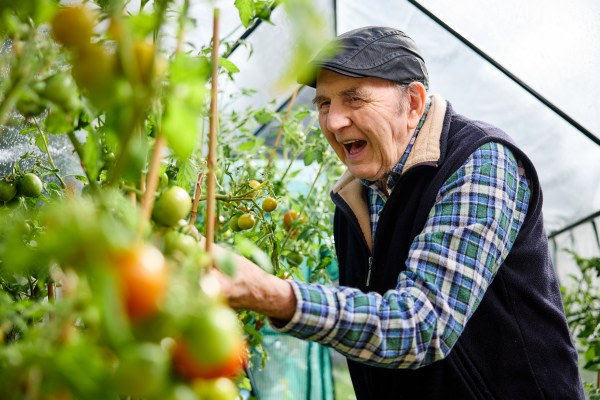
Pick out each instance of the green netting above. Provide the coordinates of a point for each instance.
(296, 370)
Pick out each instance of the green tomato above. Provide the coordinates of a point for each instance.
(7, 191)
(142, 370)
(177, 243)
(215, 389)
(233, 223)
(61, 90)
(246, 221)
(173, 205)
(29, 103)
(295, 258)
(163, 180)
(30, 185)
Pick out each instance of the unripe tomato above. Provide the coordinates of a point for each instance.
(7, 190)
(94, 71)
(269, 204)
(295, 258)
(73, 26)
(163, 181)
(148, 66)
(143, 277)
(212, 345)
(29, 103)
(142, 370)
(30, 185)
(246, 221)
(61, 90)
(254, 184)
(173, 205)
(233, 223)
(177, 243)
(215, 389)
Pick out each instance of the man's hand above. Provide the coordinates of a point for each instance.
(251, 288)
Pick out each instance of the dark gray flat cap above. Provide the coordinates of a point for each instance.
(372, 51)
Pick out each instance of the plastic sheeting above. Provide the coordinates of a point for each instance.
(551, 46)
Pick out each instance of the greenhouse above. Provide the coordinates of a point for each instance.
(152, 152)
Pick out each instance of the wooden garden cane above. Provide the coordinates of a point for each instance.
(211, 182)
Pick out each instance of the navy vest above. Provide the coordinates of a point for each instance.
(517, 344)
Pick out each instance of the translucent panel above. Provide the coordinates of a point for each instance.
(271, 46)
(552, 45)
(567, 162)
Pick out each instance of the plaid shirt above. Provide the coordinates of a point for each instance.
(468, 234)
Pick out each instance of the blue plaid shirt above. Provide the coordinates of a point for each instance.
(468, 234)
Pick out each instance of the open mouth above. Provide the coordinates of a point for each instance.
(354, 146)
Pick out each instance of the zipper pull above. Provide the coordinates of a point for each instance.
(369, 272)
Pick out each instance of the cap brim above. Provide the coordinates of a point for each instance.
(310, 79)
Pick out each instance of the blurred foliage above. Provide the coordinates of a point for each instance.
(581, 297)
(95, 296)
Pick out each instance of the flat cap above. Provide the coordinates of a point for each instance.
(372, 51)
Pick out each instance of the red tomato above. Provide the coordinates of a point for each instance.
(143, 276)
(212, 345)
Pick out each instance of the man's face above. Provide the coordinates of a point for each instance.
(364, 122)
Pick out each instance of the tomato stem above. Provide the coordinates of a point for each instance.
(281, 128)
(147, 201)
(47, 151)
(80, 153)
(197, 193)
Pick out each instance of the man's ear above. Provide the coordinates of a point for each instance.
(417, 98)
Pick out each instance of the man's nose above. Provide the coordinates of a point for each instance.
(337, 118)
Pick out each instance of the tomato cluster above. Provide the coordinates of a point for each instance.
(26, 185)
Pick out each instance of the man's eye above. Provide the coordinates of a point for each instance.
(355, 100)
(323, 106)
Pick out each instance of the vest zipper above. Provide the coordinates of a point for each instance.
(369, 271)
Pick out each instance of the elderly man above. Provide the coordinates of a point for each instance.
(447, 290)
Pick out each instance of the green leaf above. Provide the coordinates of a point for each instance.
(264, 116)
(309, 157)
(249, 250)
(41, 143)
(91, 156)
(185, 104)
(58, 123)
(228, 65)
(188, 171)
(246, 10)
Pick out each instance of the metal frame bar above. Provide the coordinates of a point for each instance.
(575, 224)
(506, 72)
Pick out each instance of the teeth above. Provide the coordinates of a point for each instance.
(350, 141)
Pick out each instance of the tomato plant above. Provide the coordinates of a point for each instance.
(103, 292)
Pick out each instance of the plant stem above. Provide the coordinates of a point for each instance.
(291, 231)
(80, 153)
(197, 193)
(212, 138)
(47, 151)
(147, 201)
(278, 138)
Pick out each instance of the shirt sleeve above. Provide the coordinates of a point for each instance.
(468, 234)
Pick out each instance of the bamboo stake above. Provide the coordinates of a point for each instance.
(211, 182)
(147, 201)
(197, 194)
(280, 133)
